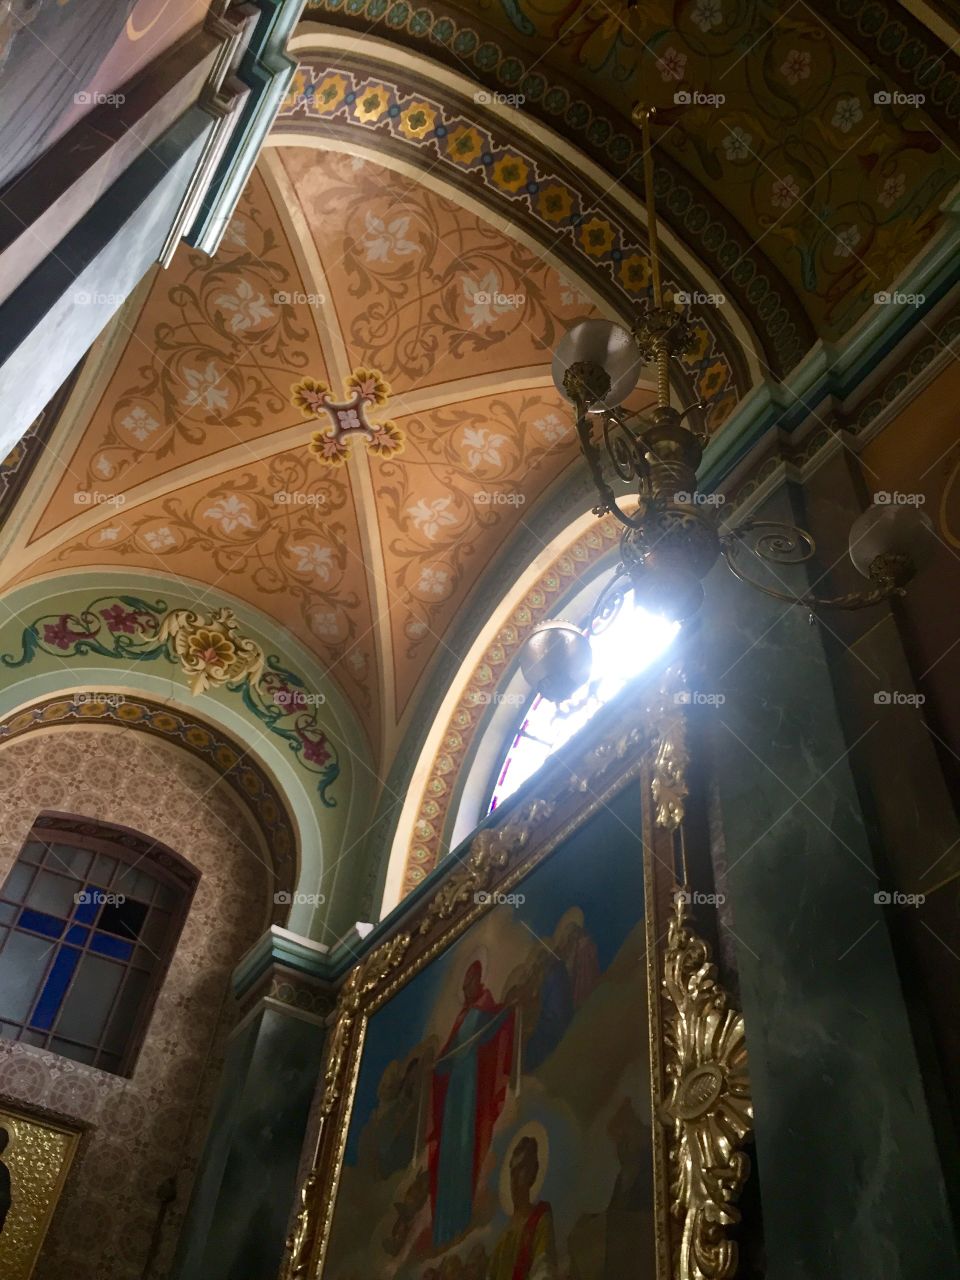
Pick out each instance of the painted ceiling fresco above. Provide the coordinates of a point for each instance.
(821, 159)
(198, 459)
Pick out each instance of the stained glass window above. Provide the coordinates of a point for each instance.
(86, 932)
(629, 642)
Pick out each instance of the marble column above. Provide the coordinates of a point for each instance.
(850, 1178)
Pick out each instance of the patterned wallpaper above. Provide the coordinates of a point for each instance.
(149, 1128)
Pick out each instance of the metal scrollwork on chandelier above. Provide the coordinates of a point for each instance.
(672, 534)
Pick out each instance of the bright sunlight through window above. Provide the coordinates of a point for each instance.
(622, 648)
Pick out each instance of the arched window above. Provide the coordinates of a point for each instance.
(628, 642)
(90, 915)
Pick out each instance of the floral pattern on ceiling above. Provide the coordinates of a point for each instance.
(835, 183)
(207, 364)
(568, 219)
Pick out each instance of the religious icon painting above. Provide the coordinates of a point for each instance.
(489, 1110)
(35, 1158)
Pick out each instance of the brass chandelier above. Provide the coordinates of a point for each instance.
(671, 535)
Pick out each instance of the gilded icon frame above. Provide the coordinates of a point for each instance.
(52, 1145)
(696, 1043)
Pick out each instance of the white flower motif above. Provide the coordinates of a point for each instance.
(249, 308)
(103, 466)
(482, 446)
(784, 192)
(707, 14)
(313, 558)
(416, 629)
(231, 512)
(236, 233)
(737, 144)
(797, 66)
(384, 241)
(357, 163)
(159, 539)
(139, 423)
(109, 535)
(672, 65)
(571, 295)
(430, 517)
(552, 427)
(891, 189)
(356, 660)
(485, 300)
(204, 388)
(433, 581)
(326, 625)
(847, 113)
(847, 241)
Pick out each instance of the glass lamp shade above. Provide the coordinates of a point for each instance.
(556, 659)
(888, 529)
(606, 344)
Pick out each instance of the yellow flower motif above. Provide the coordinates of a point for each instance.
(295, 94)
(207, 648)
(712, 380)
(597, 237)
(635, 273)
(307, 396)
(702, 336)
(331, 450)
(464, 144)
(329, 94)
(555, 203)
(417, 120)
(369, 384)
(387, 439)
(372, 103)
(511, 172)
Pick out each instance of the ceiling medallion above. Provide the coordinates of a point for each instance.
(347, 417)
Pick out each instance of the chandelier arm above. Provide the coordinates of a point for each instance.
(608, 498)
(885, 588)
